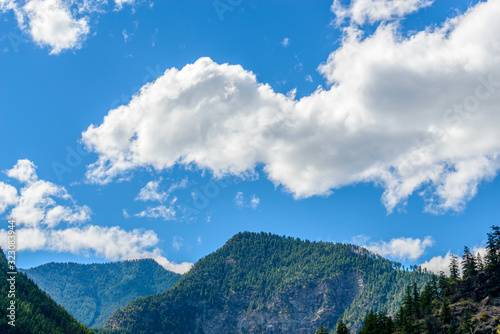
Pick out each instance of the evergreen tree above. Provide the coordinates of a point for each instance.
(322, 330)
(342, 328)
(443, 284)
(468, 263)
(479, 262)
(467, 326)
(426, 298)
(454, 271)
(445, 313)
(453, 328)
(493, 248)
(415, 301)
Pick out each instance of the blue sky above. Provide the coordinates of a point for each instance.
(330, 122)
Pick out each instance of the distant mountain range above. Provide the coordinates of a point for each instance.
(264, 283)
(33, 312)
(92, 292)
(256, 283)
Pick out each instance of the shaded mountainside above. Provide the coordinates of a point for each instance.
(264, 283)
(93, 292)
(35, 311)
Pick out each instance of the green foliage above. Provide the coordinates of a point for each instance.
(493, 248)
(445, 313)
(36, 312)
(342, 328)
(468, 263)
(454, 271)
(322, 330)
(93, 292)
(377, 323)
(261, 266)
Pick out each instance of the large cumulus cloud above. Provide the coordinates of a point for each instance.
(407, 114)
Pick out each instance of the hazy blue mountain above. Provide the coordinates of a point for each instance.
(35, 311)
(92, 292)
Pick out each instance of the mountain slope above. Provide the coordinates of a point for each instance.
(263, 283)
(35, 312)
(92, 292)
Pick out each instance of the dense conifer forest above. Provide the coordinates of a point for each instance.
(260, 266)
(93, 292)
(35, 311)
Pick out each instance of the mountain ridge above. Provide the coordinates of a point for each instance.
(92, 292)
(262, 283)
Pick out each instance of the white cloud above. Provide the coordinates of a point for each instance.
(23, 171)
(254, 202)
(285, 42)
(440, 263)
(371, 11)
(111, 243)
(39, 202)
(57, 24)
(401, 248)
(46, 216)
(8, 196)
(177, 242)
(160, 211)
(240, 201)
(125, 35)
(51, 23)
(150, 192)
(407, 114)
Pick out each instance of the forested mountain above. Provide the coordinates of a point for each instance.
(450, 305)
(92, 292)
(35, 312)
(264, 283)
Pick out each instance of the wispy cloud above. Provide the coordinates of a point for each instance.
(371, 11)
(240, 201)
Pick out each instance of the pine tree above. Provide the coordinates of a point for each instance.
(322, 330)
(468, 263)
(454, 271)
(452, 328)
(479, 262)
(443, 284)
(415, 300)
(342, 328)
(493, 248)
(445, 313)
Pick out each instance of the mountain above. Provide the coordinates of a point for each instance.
(33, 311)
(92, 292)
(264, 283)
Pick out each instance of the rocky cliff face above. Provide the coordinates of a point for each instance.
(479, 297)
(297, 310)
